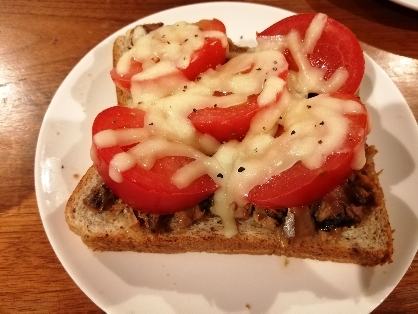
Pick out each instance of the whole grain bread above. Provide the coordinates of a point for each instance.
(368, 243)
(118, 229)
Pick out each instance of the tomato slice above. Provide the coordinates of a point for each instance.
(150, 191)
(337, 47)
(230, 123)
(208, 57)
(226, 124)
(123, 81)
(211, 54)
(299, 186)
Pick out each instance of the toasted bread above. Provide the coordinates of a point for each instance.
(118, 228)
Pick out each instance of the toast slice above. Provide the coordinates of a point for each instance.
(118, 228)
(114, 226)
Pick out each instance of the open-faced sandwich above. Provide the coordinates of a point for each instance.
(219, 148)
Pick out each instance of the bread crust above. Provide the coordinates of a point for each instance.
(369, 243)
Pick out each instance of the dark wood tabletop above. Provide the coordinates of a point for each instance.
(41, 41)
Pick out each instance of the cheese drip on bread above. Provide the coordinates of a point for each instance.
(260, 155)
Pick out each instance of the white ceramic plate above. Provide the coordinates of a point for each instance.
(212, 283)
(412, 4)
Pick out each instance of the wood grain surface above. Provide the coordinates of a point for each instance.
(41, 41)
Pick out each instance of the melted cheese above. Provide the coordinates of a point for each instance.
(313, 127)
(172, 43)
(121, 137)
(308, 79)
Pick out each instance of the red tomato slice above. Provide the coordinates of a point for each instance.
(123, 81)
(209, 56)
(337, 47)
(231, 123)
(150, 191)
(226, 124)
(299, 186)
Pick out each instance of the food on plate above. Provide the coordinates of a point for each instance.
(219, 148)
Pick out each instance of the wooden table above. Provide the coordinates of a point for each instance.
(41, 41)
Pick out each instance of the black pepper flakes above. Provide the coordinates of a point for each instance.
(258, 69)
(309, 106)
(152, 123)
(198, 78)
(194, 109)
(320, 142)
(241, 169)
(322, 123)
(293, 132)
(220, 175)
(274, 69)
